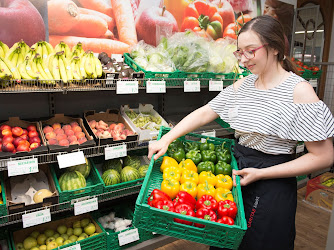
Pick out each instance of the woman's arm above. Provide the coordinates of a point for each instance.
(194, 120)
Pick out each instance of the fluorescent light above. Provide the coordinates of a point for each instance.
(310, 31)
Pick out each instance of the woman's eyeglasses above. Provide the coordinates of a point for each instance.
(249, 54)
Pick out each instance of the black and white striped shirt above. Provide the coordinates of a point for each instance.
(269, 120)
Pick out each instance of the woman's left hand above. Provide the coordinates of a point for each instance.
(247, 176)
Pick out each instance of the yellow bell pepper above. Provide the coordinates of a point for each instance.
(189, 187)
(170, 187)
(189, 175)
(168, 162)
(205, 188)
(224, 181)
(172, 173)
(187, 164)
(177, 7)
(223, 194)
(207, 176)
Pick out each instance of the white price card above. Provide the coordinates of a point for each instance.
(71, 159)
(74, 247)
(115, 152)
(300, 148)
(36, 218)
(127, 87)
(192, 86)
(85, 206)
(22, 167)
(215, 85)
(128, 236)
(155, 87)
(210, 133)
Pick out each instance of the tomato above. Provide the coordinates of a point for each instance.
(315, 68)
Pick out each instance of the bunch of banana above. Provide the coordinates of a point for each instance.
(43, 48)
(25, 69)
(78, 48)
(90, 65)
(31, 54)
(63, 47)
(7, 70)
(24, 48)
(75, 66)
(60, 67)
(76, 53)
(3, 49)
(16, 56)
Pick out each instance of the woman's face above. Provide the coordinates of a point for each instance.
(263, 57)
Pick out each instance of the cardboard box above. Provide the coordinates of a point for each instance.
(16, 122)
(320, 191)
(14, 207)
(62, 119)
(109, 117)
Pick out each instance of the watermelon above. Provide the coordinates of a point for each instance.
(111, 177)
(143, 170)
(84, 169)
(113, 164)
(72, 180)
(132, 161)
(129, 174)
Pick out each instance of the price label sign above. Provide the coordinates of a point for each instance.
(192, 86)
(85, 206)
(156, 87)
(210, 133)
(216, 85)
(22, 167)
(127, 87)
(128, 236)
(74, 247)
(36, 218)
(115, 152)
(71, 159)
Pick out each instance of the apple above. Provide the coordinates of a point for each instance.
(69, 231)
(64, 236)
(50, 239)
(42, 247)
(90, 229)
(25, 132)
(34, 248)
(7, 138)
(84, 235)
(77, 231)
(17, 131)
(94, 234)
(67, 242)
(62, 229)
(4, 126)
(41, 239)
(32, 133)
(73, 238)
(225, 10)
(24, 137)
(84, 222)
(22, 147)
(29, 242)
(35, 234)
(34, 139)
(49, 233)
(5, 132)
(34, 145)
(56, 235)
(51, 245)
(8, 147)
(31, 128)
(17, 140)
(60, 241)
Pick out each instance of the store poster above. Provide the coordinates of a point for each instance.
(114, 26)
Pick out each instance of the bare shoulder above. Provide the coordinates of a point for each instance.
(238, 83)
(304, 93)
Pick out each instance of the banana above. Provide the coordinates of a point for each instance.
(98, 66)
(23, 72)
(14, 59)
(4, 68)
(75, 53)
(62, 68)
(55, 68)
(31, 53)
(29, 69)
(75, 68)
(79, 48)
(49, 61)
(82, 67)
(92, 61)
(45, 51)
(88, 65)
(34, 69)
(49, 47)
(14, 72)
(47, 71)
(39, 49)
(39, 67)
(67, 65)
(20, 59)
(4, 47)
(67, 51)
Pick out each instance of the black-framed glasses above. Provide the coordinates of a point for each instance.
(249, 54)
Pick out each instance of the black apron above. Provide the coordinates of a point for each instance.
(270, 205)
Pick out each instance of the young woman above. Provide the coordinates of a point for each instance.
(270, 110)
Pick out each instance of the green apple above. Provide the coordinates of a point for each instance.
(41, 239)
(84, 222)
(90, 229)
(35, 248)
(29, 242)
(69, 231)
(51, 245)
(56, 235)
(77, 231)
(64, 236)
(94, 234)
(83, 235)
(42, 247)
(62, 229)
(50, 239)
(60, 241)
(76, 224)
(81, 238)
(49, 233)
(34, 234)
(73, 238)
(19, 246)
(67, 242)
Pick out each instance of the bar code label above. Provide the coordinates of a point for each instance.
(128, 236)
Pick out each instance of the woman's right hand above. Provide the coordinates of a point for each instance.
(158, 147)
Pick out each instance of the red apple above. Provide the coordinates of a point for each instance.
(17, 131)
(4, 126)
(24, 137)
(225, 10)
(31, 128)
(24, 142)
(34, 145)
(23, 147)
(148, 21)
(25, 132)
(17, 141)
(33, 133)
(8, 147)
(6, 132)
(34, 139)
(7, 138)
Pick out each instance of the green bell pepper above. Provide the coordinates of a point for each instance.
(206, 166)
(177, 153)
(195, 156)
(207, 146)
(222, 148)
(209, 155)
(176, 144)
(224, 156)
(190, 146)
(223, 168)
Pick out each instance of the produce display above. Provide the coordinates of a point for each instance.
(17, 139)
(145, 120)
(302, 66)
(117, 131)
(112, 66)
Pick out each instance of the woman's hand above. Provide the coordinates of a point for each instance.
(159, 147)
(247, 176)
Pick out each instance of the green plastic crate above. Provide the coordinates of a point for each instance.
(120, 189)
(162, 222)
(309, 74)
(3, 207)
(93, 186)
(224, 124)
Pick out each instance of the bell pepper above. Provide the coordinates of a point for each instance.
(189, 175)
(209, 155)
(207, 166)
(224, 156)
(205, 214)
(189, 187)
(177, 7)
(223, 168)
(227, 208)
(157, 194)
(184, 197)
(168, 162)
(175, 144)
(184, 209)
(195, 156)
(190, 146)
(207, 146)
(207, 201)
(224, 181)
(172, 173)
(226, 220)
(165, 205)
(223, 194)
(187, 164)
(207, 176)
(171, 187)
(177, 153)
(205, 188)
(222, 148)
(232, 30)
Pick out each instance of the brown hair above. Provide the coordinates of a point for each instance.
(270, 31)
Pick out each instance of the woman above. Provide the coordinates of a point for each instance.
(270, 111)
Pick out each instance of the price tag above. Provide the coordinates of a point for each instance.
(115, 152)
(192, 86)
(128, 236)
(71, 159)
(86, 206)
(216, 85)
(36, 218)
(300, 148)
(156, 87)
(127, 87)
(22, 167)
(74, 247)
(210, 133)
